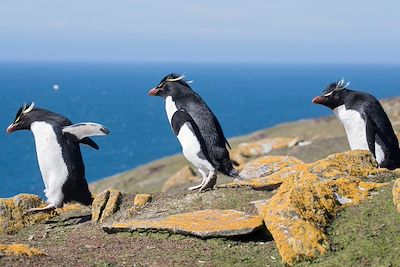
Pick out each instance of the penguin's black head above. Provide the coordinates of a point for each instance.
(334, 95)
(171, 85)
(23, 119)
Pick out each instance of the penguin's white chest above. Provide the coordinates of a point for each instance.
(191, 148)
(170, 108)
(355, 126)
(49, 154)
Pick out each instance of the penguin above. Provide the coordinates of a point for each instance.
(197, 129)
(366, 124)
(57, 143)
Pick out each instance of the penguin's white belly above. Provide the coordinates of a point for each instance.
(191, 147)
(355, 126)
(51, 163)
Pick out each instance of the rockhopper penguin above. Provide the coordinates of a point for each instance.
(198, 130)
(59, 156)
(366, 123)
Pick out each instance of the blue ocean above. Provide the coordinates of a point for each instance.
(244, 97)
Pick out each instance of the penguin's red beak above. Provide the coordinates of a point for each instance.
(154, 91)
(11, 128)
(318, 100)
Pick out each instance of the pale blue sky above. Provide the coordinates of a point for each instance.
(182, 30)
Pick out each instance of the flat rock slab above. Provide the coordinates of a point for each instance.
(203, 223)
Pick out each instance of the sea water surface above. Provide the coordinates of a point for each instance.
(244, 97)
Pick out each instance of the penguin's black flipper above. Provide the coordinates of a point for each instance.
(371, 132)
(89, 142)
(180, 117)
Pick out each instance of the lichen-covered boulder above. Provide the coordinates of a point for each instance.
(396, 194)
(20, 250)
(267, 165)
(184, 176)
(13, 211)
(310, 195)
(105, 204)
(203, 223)
(142, 199)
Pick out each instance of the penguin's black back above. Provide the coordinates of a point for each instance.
(374, 113)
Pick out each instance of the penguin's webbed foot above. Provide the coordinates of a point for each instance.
(48, 208)
(195, 187)
(208, 184)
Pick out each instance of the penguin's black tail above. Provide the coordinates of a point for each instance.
(78, 191)
(229, 170)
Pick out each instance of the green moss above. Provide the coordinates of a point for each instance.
(365, 235)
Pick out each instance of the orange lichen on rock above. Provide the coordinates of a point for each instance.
(20, 250)
(99, 204)
(264, 146)
(13, 211)
(396, 194)
(105, 204)
(204, 223)
(310, 196)
(142, 199)
(184, 176)
(360, 163)
(70, 207)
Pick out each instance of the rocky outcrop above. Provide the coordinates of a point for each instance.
(20, 250)
(142, 199)
(105, 204)
(396, 194)
(309, 198)
(13, 212)
(309, 195)
(184, 176)
(204, 223)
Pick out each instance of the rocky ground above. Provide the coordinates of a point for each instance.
(303, 202)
